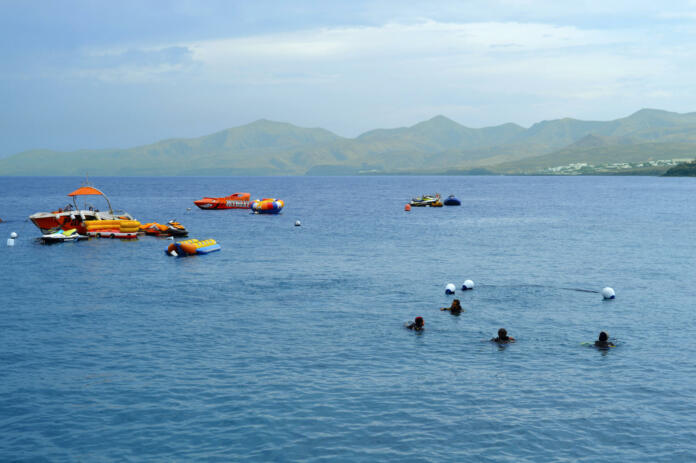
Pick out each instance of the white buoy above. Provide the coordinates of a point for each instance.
(468, 284)
(298, 223)
(449, 289)
(608, 293)
(13, 235)
(10, 242)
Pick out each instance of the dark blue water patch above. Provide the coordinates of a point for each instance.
(289, 343)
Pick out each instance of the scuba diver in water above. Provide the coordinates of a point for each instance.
(455, 308)
(503, 337)
(416, 325)
(603, 341)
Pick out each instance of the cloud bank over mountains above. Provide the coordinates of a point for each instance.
(80, 75)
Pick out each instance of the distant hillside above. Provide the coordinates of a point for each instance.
(260, 148)
(687, 169)
(600, 154)
(437, 145)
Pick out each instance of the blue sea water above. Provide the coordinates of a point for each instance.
(288, 345)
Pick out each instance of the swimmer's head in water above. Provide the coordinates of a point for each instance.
(502, 333)
(603, 336)
(419, 321)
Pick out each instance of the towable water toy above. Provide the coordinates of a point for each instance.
(192, 247)
(267, 206)
(452, 201)
(172, 228)
(113, 228)
(233, 201)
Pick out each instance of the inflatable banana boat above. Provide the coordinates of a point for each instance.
(192, 247)
(113, 228)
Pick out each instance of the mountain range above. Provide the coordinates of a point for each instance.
(438, 145)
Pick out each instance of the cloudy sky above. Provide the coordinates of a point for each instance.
(106, 74)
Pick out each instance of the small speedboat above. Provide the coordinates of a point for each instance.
(72, 216)
(234, 201)
(63, 236)
(172, 228)
(452, 201)
(427, 201)
(267, 206)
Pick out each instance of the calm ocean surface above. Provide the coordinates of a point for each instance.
(288, 345)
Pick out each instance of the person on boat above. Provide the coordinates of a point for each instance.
(455, 308)
(503, 337)
(603, 341)
(417, 324)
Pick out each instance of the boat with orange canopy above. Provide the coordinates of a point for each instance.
(233, 201)
(72, 216)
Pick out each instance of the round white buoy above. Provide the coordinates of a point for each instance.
(449, 289)
(13, 235)
(468, 284)
(608, 293)
(297, 223)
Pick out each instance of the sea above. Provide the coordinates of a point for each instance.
(289, 344)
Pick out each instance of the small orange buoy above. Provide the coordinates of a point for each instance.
(407, 207)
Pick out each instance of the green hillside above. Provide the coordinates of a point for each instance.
(433, 146)
(687, 169)
(600, 155)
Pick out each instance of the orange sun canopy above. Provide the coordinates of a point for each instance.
(86, 190)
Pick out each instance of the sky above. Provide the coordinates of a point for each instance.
(116, 74)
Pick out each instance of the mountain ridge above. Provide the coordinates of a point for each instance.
(438, 144)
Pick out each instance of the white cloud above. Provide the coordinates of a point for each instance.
(429, 38)
(473, 69)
